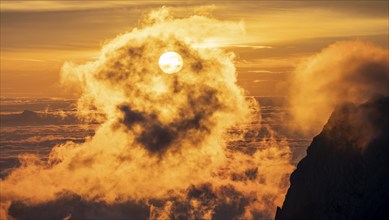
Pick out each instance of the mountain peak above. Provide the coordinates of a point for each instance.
(345, 174)
(28, 113)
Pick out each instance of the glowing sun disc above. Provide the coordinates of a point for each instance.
(170, 62)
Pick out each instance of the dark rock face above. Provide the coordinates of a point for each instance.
(345, 174)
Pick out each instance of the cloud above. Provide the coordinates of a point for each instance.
(347, 71)
(164, 139)
(62, 6)
(74, 207)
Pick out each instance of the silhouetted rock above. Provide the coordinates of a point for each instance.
(345, 174)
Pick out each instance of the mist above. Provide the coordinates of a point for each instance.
(346, 71)
(163, 139)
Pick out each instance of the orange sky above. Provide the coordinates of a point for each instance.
(37, 37)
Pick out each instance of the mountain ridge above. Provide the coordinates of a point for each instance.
(345, 174)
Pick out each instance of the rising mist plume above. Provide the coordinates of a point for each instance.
(348, 71)
(163, 139)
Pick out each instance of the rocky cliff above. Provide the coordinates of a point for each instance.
(345, 174)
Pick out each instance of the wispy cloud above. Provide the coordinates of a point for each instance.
(264, 71)
(62, 5)
(249, 46)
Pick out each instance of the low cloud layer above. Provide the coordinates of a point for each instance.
(349, 71)
(163, 141)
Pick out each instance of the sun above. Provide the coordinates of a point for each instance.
(170, 62)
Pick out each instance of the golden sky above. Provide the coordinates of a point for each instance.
(37, 37)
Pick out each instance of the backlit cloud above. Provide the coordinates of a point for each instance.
(164, 139)
(349, 71)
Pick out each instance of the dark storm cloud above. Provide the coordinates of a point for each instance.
(76, 208)
(226, 203)
(195, 117)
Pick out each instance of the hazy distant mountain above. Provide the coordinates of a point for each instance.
(16, 104)
(345, 174)
(32, 118)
